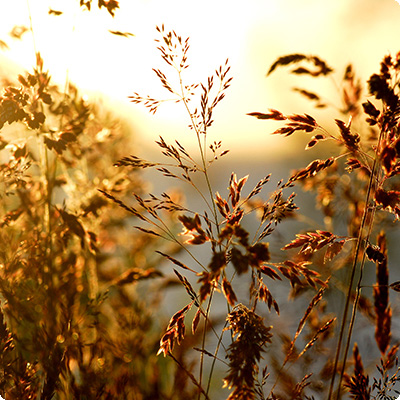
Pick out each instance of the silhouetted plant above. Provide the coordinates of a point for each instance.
(71, 325)
(370, 161)
(73, 320)
(375, 160)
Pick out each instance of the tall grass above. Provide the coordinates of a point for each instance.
(358, 185)
(80, 290)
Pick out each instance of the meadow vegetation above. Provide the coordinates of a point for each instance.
(89, 258)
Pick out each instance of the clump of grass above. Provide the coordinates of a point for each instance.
(244, 353)
(70, 323)
(73, 318)
(369, 159)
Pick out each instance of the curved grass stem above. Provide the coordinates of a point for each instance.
(359, 247)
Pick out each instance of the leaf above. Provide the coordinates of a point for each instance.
(20, 152)
(18, 31)
(224, 153)
(73, 224)
(222, 205)
(11, 216)
(353, 163)
(207, 353)
(374, 254)
(333, 250)
(46, 97)
(3, 45)
(311, 241)
(188, 287)
(23, 80)
(299, 241)
(324, 69)
(301, 70)
(35, 120)
(110, 5)
(218, 261)
(273, 114)
(235, 188)
(207, 285)
(265, 295)
(134, 162)
(312, 169)
(286, 130)
(286, 60)
(322, 329)
(311, 144)
(351, 140)
(55, 12)
(258, 187)
(190, 223)
(175, 261)
(388, 199)
(192, 228)
(370, 109)
(148, 231)
(395, 286)
(259, 253)
(196, 321)
(321, 67)
(310, 96)
(136, 274)
(39, 117)
(228, 292)
(180, 314)
(299, 123)
(68, 137)
(304, 119)
(175, 330)
(270, 272)
(123, 34)
(378, 86)
(54, 144)
(388, 157)
(239, 261)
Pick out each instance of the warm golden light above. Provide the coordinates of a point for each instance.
(78, 44)
(255, 275)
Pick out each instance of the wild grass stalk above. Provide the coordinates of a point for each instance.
(230, 235)
(73, 318)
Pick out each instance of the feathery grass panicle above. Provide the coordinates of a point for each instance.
(82, 293)
(372, 160)
(383, 310)
(244, 353)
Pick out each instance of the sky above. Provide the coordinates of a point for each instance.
(251, 34)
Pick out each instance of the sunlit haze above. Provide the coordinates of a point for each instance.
(251, 34)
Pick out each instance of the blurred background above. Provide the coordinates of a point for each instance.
(78, 47)
(77, 44)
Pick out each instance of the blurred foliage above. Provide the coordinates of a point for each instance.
(72, 322)
(82, 293)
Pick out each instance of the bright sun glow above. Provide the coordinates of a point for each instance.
(78, 45)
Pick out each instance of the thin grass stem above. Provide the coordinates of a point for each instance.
(360, 241)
